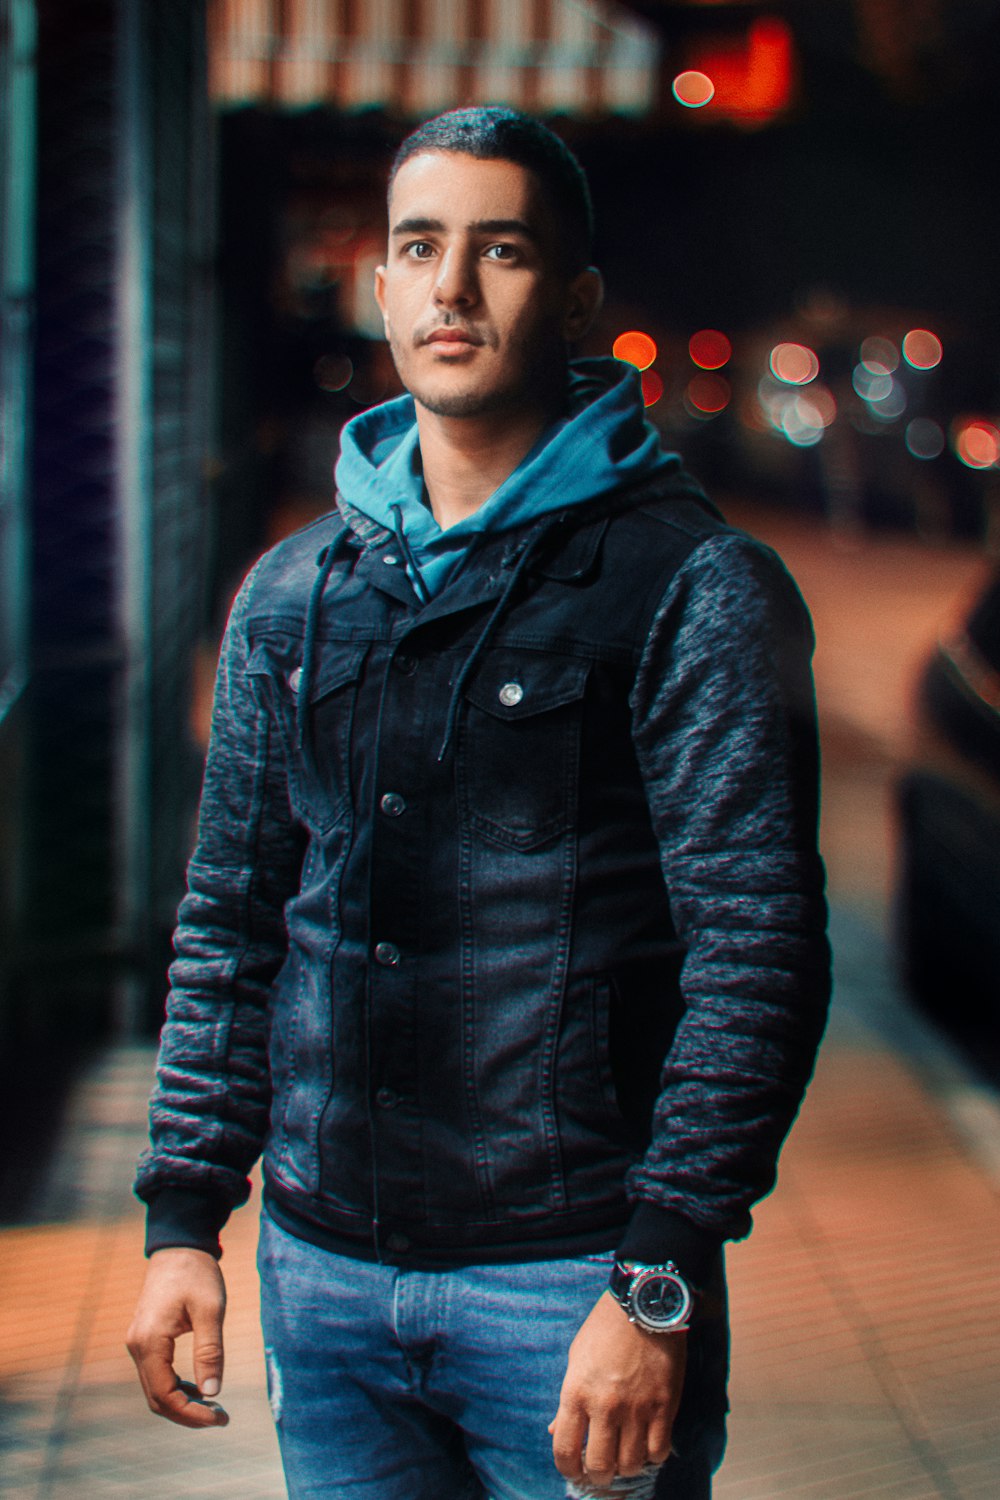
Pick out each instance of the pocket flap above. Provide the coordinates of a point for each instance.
(335, 665)
(515, 685)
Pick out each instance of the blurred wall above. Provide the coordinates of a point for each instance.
(106, 530)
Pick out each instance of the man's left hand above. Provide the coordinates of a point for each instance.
(619, 1398)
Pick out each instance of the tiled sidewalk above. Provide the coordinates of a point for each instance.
(866, 1304)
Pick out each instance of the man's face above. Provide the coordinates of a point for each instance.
(476, 312)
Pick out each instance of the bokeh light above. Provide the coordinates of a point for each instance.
(880, 356)
(922, 349)
(709, 349)
(333, 372)
(795, 364)
(871, 385)
(800, 416)
(693, 89)
(800, 422)
(977, 443)
(707, 395)
(652, 387)
(891, 404)
(924, 438)
(634, 348)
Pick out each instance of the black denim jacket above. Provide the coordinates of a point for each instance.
(505, 926)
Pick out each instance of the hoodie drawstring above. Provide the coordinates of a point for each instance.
(325, 562)
(412, 566)
(496, 613)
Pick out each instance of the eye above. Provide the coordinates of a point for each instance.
(502, 252)
(419, 250)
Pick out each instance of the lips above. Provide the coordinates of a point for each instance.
(457, 336)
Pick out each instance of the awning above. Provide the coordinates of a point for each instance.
(416, 57)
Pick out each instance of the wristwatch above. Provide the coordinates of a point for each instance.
(656, 1297)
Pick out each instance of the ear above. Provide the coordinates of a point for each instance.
(584, 298)
(380, 296)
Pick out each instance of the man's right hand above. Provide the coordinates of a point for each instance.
(183, 1293)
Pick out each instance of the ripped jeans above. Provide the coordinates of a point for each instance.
(395, 1384)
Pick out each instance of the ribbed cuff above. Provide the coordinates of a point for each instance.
(178, 1218)
(656, 1235)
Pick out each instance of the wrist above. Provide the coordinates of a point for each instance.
(656, 1298)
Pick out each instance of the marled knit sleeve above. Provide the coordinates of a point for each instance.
(724, 730)
(209, 1109)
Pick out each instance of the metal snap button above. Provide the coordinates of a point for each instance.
(387, 1098)
(295, 679)
(392, 804)
(405, 664)
(387, 954)
(511, 694)
(397, 1243)
(390, 559)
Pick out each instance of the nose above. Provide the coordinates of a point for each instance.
(456, 284)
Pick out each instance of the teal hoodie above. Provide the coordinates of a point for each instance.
(602, 442)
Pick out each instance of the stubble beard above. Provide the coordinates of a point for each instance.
(542, 386)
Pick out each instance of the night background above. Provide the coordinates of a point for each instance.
(797, 208)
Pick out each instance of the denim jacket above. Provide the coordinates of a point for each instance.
(504, 935)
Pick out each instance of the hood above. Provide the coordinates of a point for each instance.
(603, 442)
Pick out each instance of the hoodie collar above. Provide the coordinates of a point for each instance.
(603, 442)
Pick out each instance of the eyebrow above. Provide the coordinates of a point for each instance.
(478, 226)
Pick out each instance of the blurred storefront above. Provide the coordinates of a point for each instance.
(793, 208)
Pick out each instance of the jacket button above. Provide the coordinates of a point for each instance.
(405, 664)
(392, 804)
(387, 954)
(390, 560)
(295, 679)
(387, 1098)
(511, 694)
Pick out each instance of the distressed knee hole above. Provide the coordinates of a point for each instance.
(274, 1384)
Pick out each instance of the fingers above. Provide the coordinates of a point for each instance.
(600, 1460)
(184, 1293)
(658, 1439)
(607, 1445)
(569, 1432)
(208, 1352)
(165, 1393)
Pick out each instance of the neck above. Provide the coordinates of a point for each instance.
(465, 459)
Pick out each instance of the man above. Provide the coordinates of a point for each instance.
(505, 930)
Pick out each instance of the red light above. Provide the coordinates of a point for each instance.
(652, 387)
(634, 348)
(709, 349)
(754, 74)
(977, 444)
(922, 349)
(708, 394)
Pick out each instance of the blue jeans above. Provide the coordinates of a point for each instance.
(417, 1385)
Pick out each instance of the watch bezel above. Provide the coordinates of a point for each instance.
(639, 1276)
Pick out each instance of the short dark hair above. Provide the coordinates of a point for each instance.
(494, 133)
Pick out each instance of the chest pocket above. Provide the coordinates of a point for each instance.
(519, 747)
(318, 785)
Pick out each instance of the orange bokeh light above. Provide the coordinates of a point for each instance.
(922, 349)
(652, 387)
(634, 348)
(693, 89)
(708, 394)
(977, 444)
(795, 364)
(709, 349)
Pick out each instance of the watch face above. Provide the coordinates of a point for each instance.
(660, 1301)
